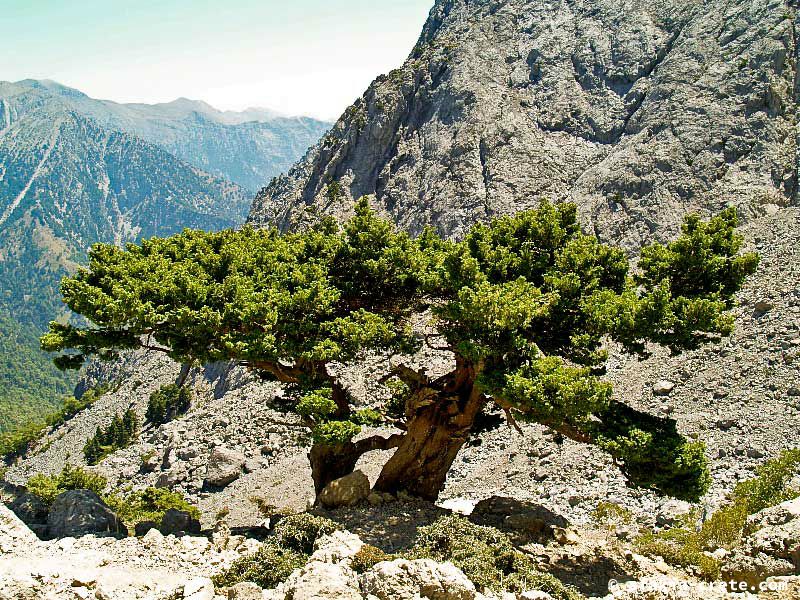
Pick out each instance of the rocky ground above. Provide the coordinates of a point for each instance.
(599, 562)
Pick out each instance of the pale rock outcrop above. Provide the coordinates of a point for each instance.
(13, 532)
(345, 491)
(224, 466)
(639, 111)
(411, 579)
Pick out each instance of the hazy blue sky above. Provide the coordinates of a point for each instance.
(297, 56)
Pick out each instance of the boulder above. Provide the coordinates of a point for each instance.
(763, 306)
(775, 532)
(82, 512)
(30, 509)
(338, 547)
(671, 512)
(663, 387)
(504, 512)
(411, 579)
(740, 567)
(141, 529)
(13, 532)
(345, 491)
(245, 591)
(224, 466)
(320, 581)
(199, 588)
(179, 521)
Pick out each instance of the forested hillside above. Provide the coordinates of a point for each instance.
(65, 183)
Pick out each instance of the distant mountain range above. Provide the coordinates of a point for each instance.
(248, 148)
(75, 171)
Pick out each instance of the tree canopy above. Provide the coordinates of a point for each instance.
(526, 304)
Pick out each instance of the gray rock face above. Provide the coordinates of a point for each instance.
(81, 512)
(30, 509)
(639, 111)
(224, 466)
(176, 521)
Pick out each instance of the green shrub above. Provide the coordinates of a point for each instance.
(610, 513)
(48, 487)
(486, 556)
(119, 434)
(167, 403)
(267, 567)
(149, 504)
(686, 546)
(299, 532)
(289, 548)
(17, 441)
(367, 557)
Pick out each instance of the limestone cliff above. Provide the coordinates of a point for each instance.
(638, 110)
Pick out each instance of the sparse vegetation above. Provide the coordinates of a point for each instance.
(367, 557)
(289, 549)
(167, 403)
(149, 504)
(611, 513)
(18, 440)
(688, 546)
(48, 487)
(119, 434)
(486, 556)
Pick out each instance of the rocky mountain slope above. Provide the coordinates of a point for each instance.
(638, 111)
(65, 183)
(247, 148)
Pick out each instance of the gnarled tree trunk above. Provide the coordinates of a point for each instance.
(330, 462)
(437, 428)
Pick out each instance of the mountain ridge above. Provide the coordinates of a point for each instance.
(65, 183)
(247, 147)
(640, 113)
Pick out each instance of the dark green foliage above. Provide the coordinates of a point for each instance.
(48, 487)
(289, 548)
(267, 567)
(299, 532)
(486, 556)
(168, 402)
(149, 504)
(26, 399)
(688, 546)
(367, 557)
(525, 303)
(120, 433)
(17, 441)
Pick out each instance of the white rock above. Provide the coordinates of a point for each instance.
(199, 588)
(409, 579)
(337, 547)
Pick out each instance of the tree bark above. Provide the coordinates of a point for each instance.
(437, 429)
(332, 462)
